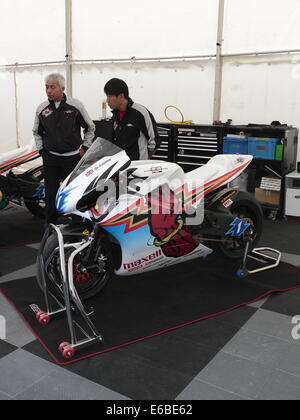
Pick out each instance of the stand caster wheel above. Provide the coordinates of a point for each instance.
(43, 318)
(240, 273)
(63, 346)
(68, 353)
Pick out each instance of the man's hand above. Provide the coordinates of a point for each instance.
(82, 152)
(151, 153)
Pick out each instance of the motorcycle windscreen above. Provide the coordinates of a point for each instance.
(100, 149)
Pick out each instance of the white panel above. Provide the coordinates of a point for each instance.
(256, 25)
(123, 29)
(32, 31)
(31, 93)
(8, 137)
(261, 90)
(188, 86)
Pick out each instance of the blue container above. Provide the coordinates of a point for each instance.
(262, 148)
(235, 145)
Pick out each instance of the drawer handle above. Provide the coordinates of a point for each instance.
(297, 197)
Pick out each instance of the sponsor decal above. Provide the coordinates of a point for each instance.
(238, 228)
(228, 197)
(101, 164)
(156, 170)
(47, 113)
(142, 261)
(89, 173)
(227, 203)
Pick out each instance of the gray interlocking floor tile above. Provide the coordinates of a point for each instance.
(290, 360)
(21, 370)
(257, 347)
(17, 332)
(198, 390)
(281, 386)
(24, 273)
(34, 246)
(259, 303)
(6, 348)
(234, 374)
(291, 259)
(4, 397)
(272, 324)
(62, 385)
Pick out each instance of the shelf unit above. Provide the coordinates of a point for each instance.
(192, 146)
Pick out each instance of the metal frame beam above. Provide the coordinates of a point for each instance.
(69, 46)
(219, 64)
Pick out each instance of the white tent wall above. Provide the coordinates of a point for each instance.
(261, 88)
(256, 25)
(32, 31)
(31, 93)
(8, 138)
(155, 85)
(137, 28)
(254, 88)
(121, 30)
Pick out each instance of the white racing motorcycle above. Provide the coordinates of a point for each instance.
(137, 217)
(25, 188)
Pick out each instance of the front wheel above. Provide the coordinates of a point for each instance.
(92, 268)
(245, 207)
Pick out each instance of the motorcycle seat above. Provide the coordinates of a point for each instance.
(218, 166)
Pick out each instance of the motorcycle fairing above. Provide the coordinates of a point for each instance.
(147, 241)
(17, 157)
(140, 243)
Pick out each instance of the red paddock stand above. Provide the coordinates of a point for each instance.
(69, 301)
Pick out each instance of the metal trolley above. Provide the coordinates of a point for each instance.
(70, 302)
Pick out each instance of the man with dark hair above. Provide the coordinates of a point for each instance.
(57, 132)
(134, 127)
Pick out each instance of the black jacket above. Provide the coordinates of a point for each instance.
(136, 132)
(59, 129)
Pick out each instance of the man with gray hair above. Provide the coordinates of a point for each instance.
(57, 132)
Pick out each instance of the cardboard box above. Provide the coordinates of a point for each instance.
(267, 196)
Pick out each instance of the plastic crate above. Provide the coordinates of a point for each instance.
(279, 152)
(235, 145)
(262, 148)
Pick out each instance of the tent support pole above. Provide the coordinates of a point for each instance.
(219, 64)
(69, 47)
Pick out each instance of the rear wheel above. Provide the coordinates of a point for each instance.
(245, 207)
(90, 277)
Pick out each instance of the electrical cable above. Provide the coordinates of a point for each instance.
(181, 114)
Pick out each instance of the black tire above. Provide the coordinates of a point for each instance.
(95, 279)
(36, 206)
(247, 208)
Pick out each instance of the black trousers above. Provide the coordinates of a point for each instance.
(56, 170)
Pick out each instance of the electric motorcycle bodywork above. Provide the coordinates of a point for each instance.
(146, 215)
(26, 188)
